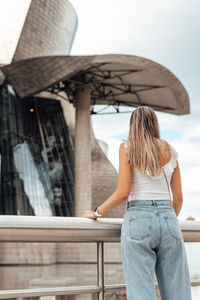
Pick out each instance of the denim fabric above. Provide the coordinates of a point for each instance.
(152, 241)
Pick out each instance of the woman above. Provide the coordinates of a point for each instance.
(151, 239)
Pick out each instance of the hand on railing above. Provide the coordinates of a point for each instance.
(89, 214)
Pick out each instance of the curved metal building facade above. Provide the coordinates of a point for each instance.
(36, 153)
(38, 28)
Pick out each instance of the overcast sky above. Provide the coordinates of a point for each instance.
(164, 31)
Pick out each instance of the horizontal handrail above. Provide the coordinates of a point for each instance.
(74, 290)
(74, 229)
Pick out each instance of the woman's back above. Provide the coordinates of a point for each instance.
(144, 186)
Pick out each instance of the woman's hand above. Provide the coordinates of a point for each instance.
(89, 214)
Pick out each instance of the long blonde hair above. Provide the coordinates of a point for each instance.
(142, 147)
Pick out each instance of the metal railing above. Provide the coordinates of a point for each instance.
(73, 229)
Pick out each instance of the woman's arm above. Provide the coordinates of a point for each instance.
(125, 175)
(122, 191)
(176, 188)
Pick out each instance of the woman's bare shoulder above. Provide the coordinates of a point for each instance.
(124, 144)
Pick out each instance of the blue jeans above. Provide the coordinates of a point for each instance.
(151, 240)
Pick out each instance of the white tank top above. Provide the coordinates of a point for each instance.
(147, 187)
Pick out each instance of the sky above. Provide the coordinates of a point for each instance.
(166, 32)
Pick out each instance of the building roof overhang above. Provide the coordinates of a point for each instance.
(114, 79)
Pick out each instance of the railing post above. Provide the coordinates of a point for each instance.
(100, 269)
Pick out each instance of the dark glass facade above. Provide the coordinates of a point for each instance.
(37, 159)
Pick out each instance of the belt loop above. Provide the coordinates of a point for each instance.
(153, 203)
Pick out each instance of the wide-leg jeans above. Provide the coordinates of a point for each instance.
(152, 241)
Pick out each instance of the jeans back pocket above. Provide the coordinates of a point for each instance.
(140, 227)
(173, 227)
